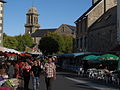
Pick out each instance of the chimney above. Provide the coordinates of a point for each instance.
(94, 1)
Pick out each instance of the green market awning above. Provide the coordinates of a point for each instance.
(91, 57)
(108, 57)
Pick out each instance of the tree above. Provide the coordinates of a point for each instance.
(10, 42)
(21, 45)
(24, 41)
(64, 43)
(68, 43)
(28, 41)
(19, 42)
(48, 45)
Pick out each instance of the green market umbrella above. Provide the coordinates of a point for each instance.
(91, 57)
(108, 57)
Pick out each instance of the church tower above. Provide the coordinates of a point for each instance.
(31, 21)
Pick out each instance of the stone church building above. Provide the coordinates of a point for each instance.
(32, 27)
(96, 29)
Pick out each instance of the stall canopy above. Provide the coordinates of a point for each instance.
(25, 54)
(8, 55)
(3, 49)
(91, 57)
(72, 54)
(35, 53)
(108, 57)
(79, 54)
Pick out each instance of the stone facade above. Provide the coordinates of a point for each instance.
(103, 33)
(62, 29)
(38, 34)
(118, 21)
(98, 9)
(66, 30)
(1, 21)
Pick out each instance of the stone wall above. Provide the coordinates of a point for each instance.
(94, 14)
(118, 21)
(103, 33)
(63, 29)
(103, 39)
(89, 19)
(110, 4)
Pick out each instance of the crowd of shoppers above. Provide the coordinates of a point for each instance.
(30, 68)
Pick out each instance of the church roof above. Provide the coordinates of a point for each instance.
(91, 8)
(41, 32)
(33, 10)
(71, 27)
(2, 1)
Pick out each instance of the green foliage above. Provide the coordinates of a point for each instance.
(58, 43)
(21, 45)
(68, 44)
(19, 42)
(28, 41)
(48, 45)
(10, 42)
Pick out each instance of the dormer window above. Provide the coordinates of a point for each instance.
(63, 29)
(72, 33)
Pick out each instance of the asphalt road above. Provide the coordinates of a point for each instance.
(63, 82)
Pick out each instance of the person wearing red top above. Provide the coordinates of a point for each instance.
(21, 66)
(26, 75)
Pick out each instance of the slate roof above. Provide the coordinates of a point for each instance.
(41, 32)
(71, 27)
(88, 10)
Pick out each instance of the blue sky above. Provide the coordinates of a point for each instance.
(53, 13)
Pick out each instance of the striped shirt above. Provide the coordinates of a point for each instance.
(50, 70)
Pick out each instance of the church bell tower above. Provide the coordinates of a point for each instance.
(31, 21)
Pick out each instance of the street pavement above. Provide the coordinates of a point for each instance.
(70, 81)
(63, 83)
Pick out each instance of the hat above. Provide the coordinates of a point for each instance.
(54, 58)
